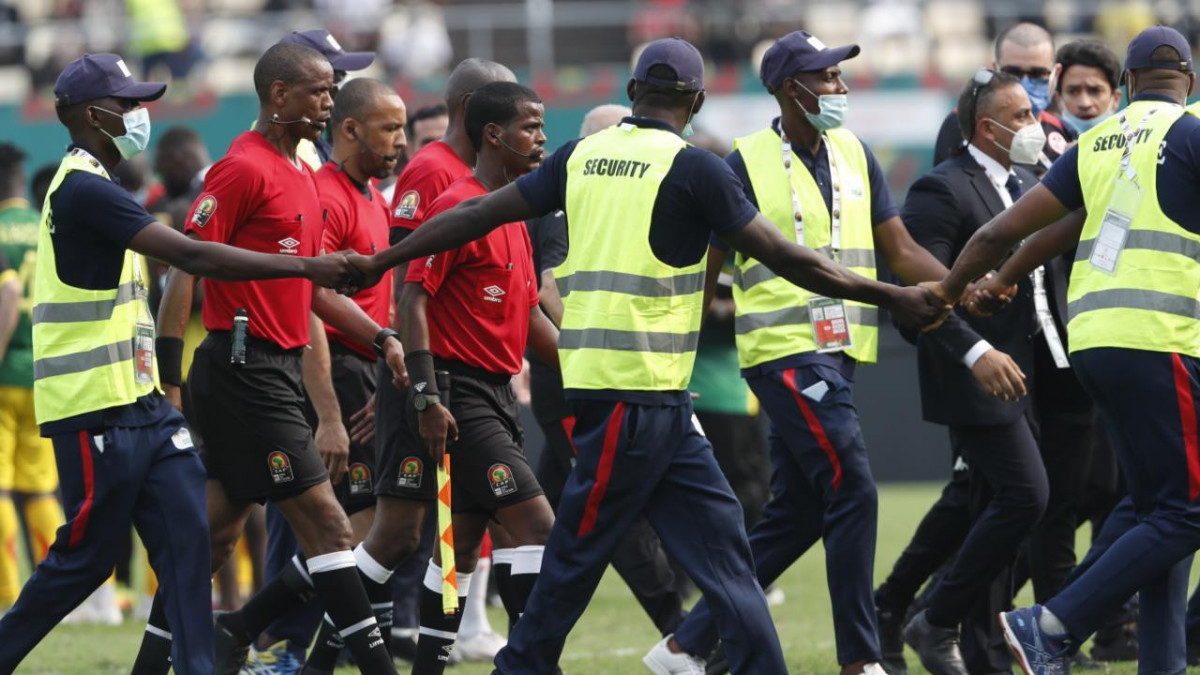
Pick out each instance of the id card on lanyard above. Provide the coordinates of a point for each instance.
(1122, 206)
(828, 317)
(143, 341)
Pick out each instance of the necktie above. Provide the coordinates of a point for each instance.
(1013, 185)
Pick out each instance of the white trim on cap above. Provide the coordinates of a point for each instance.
(816, 43)
(333, 43)
(124, 68)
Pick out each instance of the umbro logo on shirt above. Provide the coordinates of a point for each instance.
(494, 293)
(289, 245)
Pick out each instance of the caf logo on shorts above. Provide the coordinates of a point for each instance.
(281, 467)
(410, 473)
(501, 478)
(204, 210)
(360, 479)
(406, 208)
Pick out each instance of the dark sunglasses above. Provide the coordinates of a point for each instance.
(1032, 73)
(982, 80)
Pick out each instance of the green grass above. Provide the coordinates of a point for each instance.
(614, 633)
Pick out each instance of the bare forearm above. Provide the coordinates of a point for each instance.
(543, 337)
(10, 313)
(550, 299)
(915, 264)
(449, 229)
(1043, 247)
(345, 315)
(716, 260)
(824, 277)
(414, 325)
(176, 307)
(228, 263)
(318, 373)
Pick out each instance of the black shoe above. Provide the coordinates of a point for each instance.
(717, 664)
(229, 650)
(1119, 643)
(937, 647)
(891, 643)
(1084, 662)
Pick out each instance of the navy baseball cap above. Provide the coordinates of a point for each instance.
(1142, 47)
(677, 54)
(798, 52)
(94, 76)
(320, 40)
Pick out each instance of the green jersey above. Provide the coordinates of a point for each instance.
(18, 244)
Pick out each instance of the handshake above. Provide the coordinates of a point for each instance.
(927, 304)
(346, 272)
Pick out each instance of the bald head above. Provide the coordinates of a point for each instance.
(603, 117)
(469, 76)
(287, 63)
(1023, 38)
(358, 98)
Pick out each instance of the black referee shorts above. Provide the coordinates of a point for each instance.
(488, 467)
(354, 384)
(250, 421)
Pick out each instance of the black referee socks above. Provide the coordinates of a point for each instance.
(290, 590)
(335, 576)
(502, 560)
(154, 656)
(376, 579)
(435, 640)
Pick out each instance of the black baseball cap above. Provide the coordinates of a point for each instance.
(1142, 48)
(798, 52)
(321, 40)
(94, 76)
(677, 54)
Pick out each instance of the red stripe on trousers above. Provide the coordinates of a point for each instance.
(814, 425)
(1187, 420)
(568, 425)
(80, 522)
(612, 434)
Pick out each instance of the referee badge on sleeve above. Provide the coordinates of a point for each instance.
(204, 210)
(502, 481)
(281, 467)
(410, 473)
(406, 208)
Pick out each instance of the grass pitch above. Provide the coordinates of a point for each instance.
(614, 633)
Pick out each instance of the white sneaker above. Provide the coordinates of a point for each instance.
(775, 596)
(480, 647)
(874, 669)
(662, 661)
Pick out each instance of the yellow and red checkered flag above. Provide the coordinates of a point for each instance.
(446, 539)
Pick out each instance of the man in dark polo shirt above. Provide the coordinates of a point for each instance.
(245, 386)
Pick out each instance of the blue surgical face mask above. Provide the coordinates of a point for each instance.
(137, 132)
(1081, 125)
(1039, 93)
(688, 130)
(831, 112)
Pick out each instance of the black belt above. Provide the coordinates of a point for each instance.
(258, 345)
(459, 368)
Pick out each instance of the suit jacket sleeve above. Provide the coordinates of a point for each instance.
(934, 217)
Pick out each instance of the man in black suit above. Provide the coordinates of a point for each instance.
(973, 377)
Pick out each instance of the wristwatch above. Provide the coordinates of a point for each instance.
(381, 338)
(423, 401)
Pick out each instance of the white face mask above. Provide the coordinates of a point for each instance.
(137, 132)
(1027, 143)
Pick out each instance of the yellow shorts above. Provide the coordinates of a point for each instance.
(26, 459)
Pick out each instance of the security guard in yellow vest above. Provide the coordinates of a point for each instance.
(821, 187)
(641, 205)
(1134, 327)
(124, 455)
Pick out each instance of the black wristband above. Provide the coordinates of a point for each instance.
(170, 360)
(421, 372)
(381, 338)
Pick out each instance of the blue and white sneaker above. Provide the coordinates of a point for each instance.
(1038, 652)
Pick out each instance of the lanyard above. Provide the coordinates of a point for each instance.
(1130, 135)
(835, 212)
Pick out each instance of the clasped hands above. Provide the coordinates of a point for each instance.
(346, 272)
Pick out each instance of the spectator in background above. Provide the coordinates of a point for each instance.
(1088, 75)
(1025, 51)
(11, 54)
(39, 185)
(158, 35)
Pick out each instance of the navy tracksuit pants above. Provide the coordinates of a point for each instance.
(822, 489)
(1149, 402)
(640, 460)
(138, 475)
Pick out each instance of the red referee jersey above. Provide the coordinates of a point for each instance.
(356, 218)
(255, 198)
(481, 293)
(423, 180)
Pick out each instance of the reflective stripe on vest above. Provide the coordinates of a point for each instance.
(772, 319)
(630, 321)
(84, 341)
(1150, 301)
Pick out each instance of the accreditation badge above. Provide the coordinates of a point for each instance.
(143, 353)
(831, 328)
(1114, 228)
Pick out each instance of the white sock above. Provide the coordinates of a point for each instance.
(475, 619)
(1050, 623)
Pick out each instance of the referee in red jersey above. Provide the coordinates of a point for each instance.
(246, 391)
(471, 311)
(368, 120)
